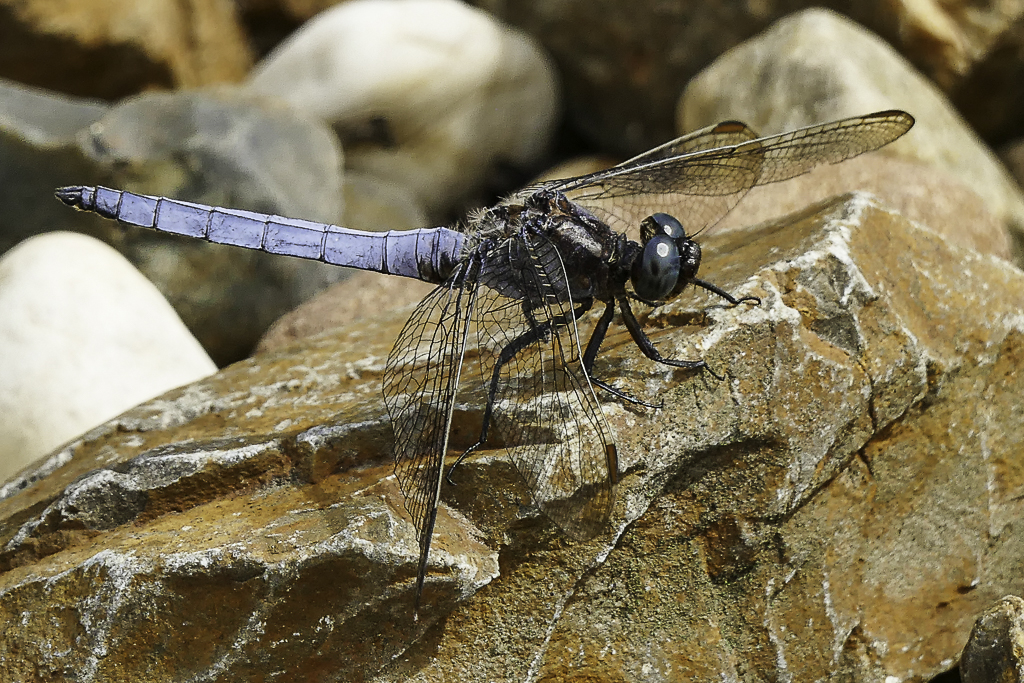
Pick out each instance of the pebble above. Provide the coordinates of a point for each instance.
(83, 337)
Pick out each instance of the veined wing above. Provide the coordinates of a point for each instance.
(545, 408)
(720, 135)
(421, 380)
(702, 185)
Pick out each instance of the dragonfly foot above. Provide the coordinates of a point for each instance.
(448, 476)
(618, 393)
(720, 378)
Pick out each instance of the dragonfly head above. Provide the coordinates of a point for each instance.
(668, 261)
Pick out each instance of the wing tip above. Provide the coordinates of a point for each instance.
(896, 116)
(731, 126)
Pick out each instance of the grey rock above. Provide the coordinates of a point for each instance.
(221, 147)
(38, 152)
(224, 148)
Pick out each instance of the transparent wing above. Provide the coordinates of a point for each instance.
(420, 384)
(700, 185)
(545, 408)
(724, 134)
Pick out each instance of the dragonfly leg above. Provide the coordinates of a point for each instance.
(724, 294)
(647, 347)
(531, 336)
(590, 355)
(645, 302)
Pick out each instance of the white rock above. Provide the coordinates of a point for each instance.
(456, 90)
(83, 337)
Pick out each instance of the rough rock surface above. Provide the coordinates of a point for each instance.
(364, 295)
(844, 504)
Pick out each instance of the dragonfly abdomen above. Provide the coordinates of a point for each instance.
(425, 254)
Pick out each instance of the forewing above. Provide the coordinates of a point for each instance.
(791, 154)
(697, 189)
(682, 177)
(420, 384)
(699, 186)
(724, 134)
(545, 408)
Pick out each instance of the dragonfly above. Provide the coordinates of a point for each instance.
(512, 284)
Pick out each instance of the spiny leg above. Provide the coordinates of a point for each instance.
(531, 336)
(590, 355)
(724, 294)
(647, 347)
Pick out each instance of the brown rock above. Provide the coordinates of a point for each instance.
(114, 48)
(357, 298)
(842, 506)
(576, 166)
(1012, 155)
(922, 193)
(623, 65)
(995, 652)
(946, 40)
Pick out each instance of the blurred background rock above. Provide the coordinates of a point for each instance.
(379, 114)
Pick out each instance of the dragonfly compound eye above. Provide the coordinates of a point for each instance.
(661, 224)
(656, 269)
